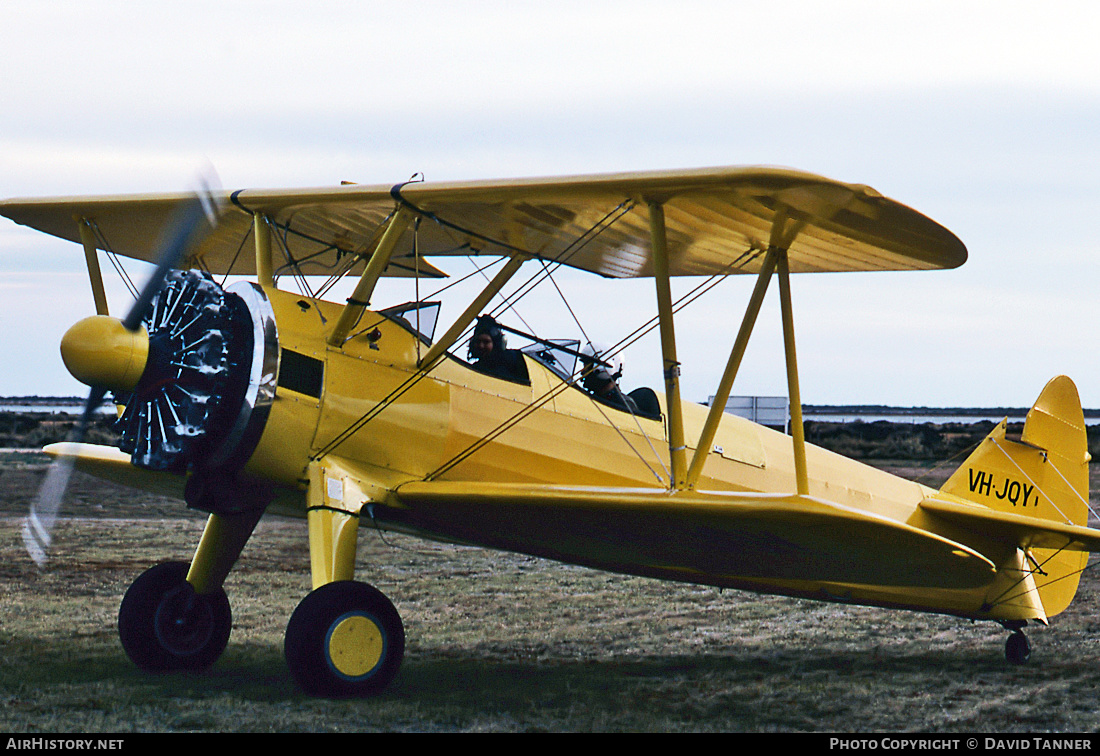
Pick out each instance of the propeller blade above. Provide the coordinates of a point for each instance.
(192, 221)
(38, 525)
(186, 228)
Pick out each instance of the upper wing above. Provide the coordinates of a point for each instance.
(718, 221)
(719, 536)
(316, 243)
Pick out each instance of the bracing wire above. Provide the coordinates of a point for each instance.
(233, 262)
(1083, 500)
(546, 271)
(112, 256)
(638, 333)
(1004, 598)
(690, 297)
(1039, 488)
(570, 250)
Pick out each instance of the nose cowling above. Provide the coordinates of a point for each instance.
(100, 351)
(191, 384)
(195, 380)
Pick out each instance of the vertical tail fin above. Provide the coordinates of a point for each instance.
(1045, 475)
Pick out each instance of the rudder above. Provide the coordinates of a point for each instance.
(1045, 475)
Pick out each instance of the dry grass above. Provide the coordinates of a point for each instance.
(501, 642)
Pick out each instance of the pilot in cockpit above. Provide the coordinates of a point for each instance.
(600, 373)
(489, 353)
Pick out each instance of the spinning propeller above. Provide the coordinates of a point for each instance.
(112, 355)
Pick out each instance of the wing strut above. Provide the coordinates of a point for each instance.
(265, 276)
(798, 435)
(360, 298)
(87, 238)
(677, 449)
(718, 406)
(783, 232)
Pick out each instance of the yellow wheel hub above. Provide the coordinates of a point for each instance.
(355, 645)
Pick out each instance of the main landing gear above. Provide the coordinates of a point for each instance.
(176, 615)
(344, 640)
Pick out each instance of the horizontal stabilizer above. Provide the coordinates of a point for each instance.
(1022, 530)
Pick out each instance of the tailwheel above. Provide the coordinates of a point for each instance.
(1018, 648)
(344, 640)
(164, 625)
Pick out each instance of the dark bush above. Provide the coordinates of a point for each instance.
(33, 430)
(899, 441)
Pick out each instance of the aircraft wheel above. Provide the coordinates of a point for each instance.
(344, 640)
(1018, 648)
(164, 625)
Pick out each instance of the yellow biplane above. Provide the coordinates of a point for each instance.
(251, 398)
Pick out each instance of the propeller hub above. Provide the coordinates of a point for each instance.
(100, 351)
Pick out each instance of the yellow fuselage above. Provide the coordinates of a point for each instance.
(430, 420)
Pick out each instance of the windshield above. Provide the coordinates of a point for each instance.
(419, 317)
(562, 361)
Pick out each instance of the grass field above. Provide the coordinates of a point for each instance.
(499, 642)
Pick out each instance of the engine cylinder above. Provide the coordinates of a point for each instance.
(204, 386)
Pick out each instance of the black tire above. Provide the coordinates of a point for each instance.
(1018, 648)
(164, 625)
(344, 640)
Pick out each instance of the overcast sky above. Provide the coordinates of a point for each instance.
(982, 115)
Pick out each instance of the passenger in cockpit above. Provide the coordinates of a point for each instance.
(600, 376)
(490, 355)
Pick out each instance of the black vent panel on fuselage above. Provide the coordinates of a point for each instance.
(301, 373)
